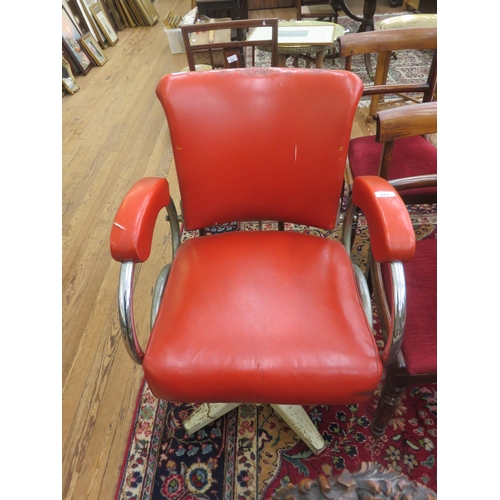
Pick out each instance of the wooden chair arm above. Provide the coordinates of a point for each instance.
(419, 181)
(387, 40)
(406, 121)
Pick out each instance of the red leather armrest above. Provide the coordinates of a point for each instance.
(132, 232)
(391, 232)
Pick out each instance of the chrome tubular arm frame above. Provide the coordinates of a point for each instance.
(363, 289)
(347, 225)
(126, 311)
(398, 313)
(364, 293)
(158, 292)
(398, 284)
(175, 231)
(126, 286)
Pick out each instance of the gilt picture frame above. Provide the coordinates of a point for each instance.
(68, 80)
(91, 46)
(91, 22)
(104, 24)
(70, 41)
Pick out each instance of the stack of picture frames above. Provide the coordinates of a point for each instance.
(91, 26)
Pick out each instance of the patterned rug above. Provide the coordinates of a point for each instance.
(406, 66)
(250, 453)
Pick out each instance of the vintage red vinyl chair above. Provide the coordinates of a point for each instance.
(271, 317)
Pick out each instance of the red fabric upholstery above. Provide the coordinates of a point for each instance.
(419, 345)
(410, 156)
(263, 317)
(391, 232)
(132, 231)
(266, 144)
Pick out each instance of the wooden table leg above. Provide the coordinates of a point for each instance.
(319, 58)
(367, 24)
(380, 78)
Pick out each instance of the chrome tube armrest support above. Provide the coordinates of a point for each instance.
(347, 225)
(398, 313)
(126, 311)
(175, 231)
(398, 287)
(364, 293)
(125, 291)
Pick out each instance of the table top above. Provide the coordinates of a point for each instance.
(408, 21)
(300, 33)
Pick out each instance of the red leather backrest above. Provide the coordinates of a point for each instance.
(260, 143)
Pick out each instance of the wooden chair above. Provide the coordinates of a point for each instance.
(213, 44)
(384, 43)
(273, 317)
(400, 147)
(416, 359)
(321, 11)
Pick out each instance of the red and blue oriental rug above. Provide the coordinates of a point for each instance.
(250, 454)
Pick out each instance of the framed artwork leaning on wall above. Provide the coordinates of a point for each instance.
(92, 48)
(104, 24)
(70, 41)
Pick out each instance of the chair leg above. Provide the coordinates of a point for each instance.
(206, 414)
(294, 415)
(298, 420)
(390, 398)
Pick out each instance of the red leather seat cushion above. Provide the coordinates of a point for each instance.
(262, 317)
(419, 345)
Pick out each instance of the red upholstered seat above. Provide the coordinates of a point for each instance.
(411, 156)
(419, 345)
(285, 325)
(420, 340)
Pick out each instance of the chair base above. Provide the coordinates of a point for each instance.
(294, 415)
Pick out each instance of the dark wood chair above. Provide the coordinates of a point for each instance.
(399, 149)
(384, 43)
(416, 360)
(220, 51)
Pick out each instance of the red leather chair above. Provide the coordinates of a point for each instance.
(272, 317)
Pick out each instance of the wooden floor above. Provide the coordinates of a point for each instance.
(114, 133)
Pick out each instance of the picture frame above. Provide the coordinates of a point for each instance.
(104, 24)
(70, 42)
(76, 15)
(91, 46)
(91, 23)
(68, 80)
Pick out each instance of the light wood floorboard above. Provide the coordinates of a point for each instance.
(114, 133)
